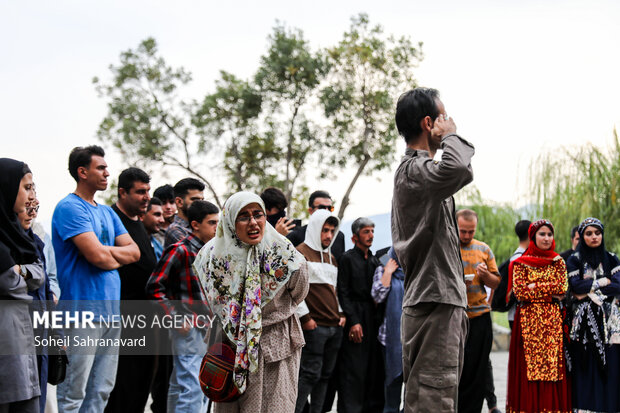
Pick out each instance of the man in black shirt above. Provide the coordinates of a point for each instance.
(360, 365)
(134, 373)
(574, 239)
(319, 200)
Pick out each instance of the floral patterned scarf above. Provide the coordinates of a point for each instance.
(240, 279)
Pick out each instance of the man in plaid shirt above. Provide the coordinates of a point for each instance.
(174, 281)
(186, 191)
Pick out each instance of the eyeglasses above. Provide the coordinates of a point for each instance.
(330, 208)
(245, 219)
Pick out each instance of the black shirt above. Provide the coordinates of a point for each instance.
(298, 235)
(566, 254)
(134, 276)
(355, 275)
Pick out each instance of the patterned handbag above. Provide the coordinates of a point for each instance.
(217, 374)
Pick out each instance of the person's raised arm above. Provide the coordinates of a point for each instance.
(125, 250)
(448, 175)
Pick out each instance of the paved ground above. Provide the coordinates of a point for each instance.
(500, 377)
(500, 367)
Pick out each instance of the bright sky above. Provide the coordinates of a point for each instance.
(519, 78)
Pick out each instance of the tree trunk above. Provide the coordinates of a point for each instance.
(345, 199)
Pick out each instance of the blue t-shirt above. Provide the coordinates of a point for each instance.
(79, 279)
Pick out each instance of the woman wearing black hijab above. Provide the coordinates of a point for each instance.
(594, 278)
(20, 271)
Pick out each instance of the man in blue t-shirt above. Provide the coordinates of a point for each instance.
(90, 243)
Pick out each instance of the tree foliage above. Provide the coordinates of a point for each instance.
(229, 118)
(147, 121)
(302, 110)
(571, 185)
(368, 72)
(288, 77)
(496, 223)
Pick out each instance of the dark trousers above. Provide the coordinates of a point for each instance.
(133, 384)
(24, 406)
(361, 373)
(489, 393)
(163, 369)
(393, 391)
(318, 359)
(159, 389)
(332, 388)
(472, 387)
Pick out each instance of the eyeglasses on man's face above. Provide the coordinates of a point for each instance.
(246, 218)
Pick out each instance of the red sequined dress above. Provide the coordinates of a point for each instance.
(537, 377)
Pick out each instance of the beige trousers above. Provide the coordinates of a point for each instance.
(433, 337)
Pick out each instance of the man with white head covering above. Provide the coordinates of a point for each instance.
(320, 314)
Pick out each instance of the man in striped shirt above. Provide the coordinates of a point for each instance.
(480, 272)
(177, 288)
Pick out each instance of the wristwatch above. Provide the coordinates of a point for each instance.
(23, 271)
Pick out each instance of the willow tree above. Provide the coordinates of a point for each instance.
(496, 222)
(368, 71)
(571, 185)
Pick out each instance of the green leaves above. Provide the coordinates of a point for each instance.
(368, 71)
(303, 109)
(573, 185)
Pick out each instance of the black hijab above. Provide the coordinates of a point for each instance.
(15, 246)
(593, 256)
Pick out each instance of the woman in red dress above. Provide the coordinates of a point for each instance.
(537, 377)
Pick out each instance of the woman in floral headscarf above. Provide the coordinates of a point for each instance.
(537, 380)
(254, 279)
(594, 278)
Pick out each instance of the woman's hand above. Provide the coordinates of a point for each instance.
(603, 282)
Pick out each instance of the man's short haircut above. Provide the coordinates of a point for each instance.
(467, 214)
(153, 201)
(183, 187)
(165, 193)
(317, 194)
(81, 156)
(332, 220)
(360, 223)
(131, 175)
(412, 107)
(521, 229)
(274, 198)
(198, 210)
(573, 231)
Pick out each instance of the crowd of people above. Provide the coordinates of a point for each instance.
(406, 328)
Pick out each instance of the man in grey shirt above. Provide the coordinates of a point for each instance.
(425, 237)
